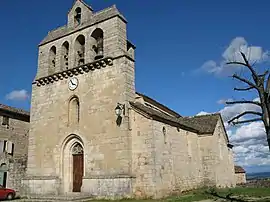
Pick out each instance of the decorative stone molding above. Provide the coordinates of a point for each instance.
(77, 149)
(107, 176)
(85, 68)
(41, 178)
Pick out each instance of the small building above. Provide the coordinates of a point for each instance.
(14, 126)
(240, 175)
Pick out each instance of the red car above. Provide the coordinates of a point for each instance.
(6, 193)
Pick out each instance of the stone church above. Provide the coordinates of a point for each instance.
(89, 131)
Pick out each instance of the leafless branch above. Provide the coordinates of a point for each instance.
(245, 113)
(236, 63)
(249, 66)
(264, 74)
(254, 63)
(246, 64)
(262, 86)
(244, 102)
(246, 121)
(244, 89)
(245, 81)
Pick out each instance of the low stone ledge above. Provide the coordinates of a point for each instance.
(40, 178)
(107, 176)
(105, 188)
(48, 185)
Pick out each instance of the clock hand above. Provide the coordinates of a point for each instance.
(72, 82)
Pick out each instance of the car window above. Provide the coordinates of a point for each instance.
(1, 187)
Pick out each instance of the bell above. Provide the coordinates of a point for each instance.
(99, 54)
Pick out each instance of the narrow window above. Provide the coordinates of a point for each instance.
(5, 121)
(164, 135)
(5, 146)
(97, 34)
(78, 16)
(74, 111)
(2, 143)
(80, 50)
(9, 147)
(189, 146)
(65, 55)
(220, 148)
(52, 60)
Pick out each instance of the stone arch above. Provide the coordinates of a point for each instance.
(98, 39)
(73, 110)
(79, 50)
(52, 60)
(65, 55)
(78, 16)
(72, 144)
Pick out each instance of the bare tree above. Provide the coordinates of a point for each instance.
(262, 88)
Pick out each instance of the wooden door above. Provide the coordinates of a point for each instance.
(77, 172)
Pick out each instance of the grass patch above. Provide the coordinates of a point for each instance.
(248, 192)
(203, 194)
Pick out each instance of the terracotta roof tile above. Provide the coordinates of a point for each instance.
(205, 124)
(14, 110)
(200, 124)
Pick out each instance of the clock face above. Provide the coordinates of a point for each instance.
(73, 83)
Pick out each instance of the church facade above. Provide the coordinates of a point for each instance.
(91, 132)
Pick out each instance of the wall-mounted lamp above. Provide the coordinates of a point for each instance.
(119, 109)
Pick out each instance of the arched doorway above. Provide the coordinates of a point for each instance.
(77, 156)
(72, 167)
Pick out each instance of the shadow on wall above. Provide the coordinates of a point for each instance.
(119, 120)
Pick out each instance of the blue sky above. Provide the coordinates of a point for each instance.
(174, 39)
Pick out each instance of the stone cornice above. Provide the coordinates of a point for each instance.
(40, 178)
(108, 176)
(85, 68)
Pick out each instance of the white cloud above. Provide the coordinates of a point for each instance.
(232, 53)
(202, 113)
(246, 133)
(18, 95)
(230, 111)
(223, 101)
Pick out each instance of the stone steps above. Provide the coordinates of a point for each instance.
(67, 198)
(52, 200)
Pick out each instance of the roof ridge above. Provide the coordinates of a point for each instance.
(157, 115)
(14, 109)
(106, 9)
(57, 28)
(200, 115)
(74, 1)
(159, 103)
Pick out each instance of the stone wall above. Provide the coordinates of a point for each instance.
(17, 133)
(165, 159)
(177, 159)
(106, 143)
(143, 156)
(240, 178)
(217, 160)
(225, 166)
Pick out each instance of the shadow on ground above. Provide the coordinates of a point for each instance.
(229, 197)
